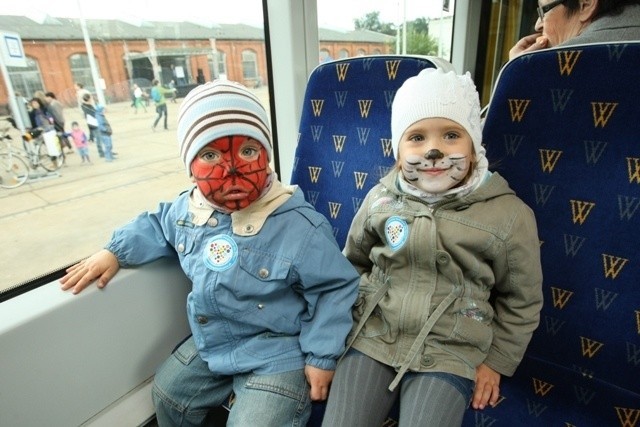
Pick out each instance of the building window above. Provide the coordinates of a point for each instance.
(249, 65)
(26, 80)
(361, 52)
(344, 53)
(325, 56)
(218, 65)
(81, 70)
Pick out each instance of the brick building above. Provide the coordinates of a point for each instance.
(127, 52)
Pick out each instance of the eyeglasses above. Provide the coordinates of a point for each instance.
(547, 7)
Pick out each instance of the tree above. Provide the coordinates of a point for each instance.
(419, 42)
(371, 22)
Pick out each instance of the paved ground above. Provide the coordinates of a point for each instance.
(48, 223)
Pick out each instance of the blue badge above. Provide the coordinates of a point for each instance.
(221, 253)
(396, 230)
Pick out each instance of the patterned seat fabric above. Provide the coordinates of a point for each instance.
(344, 142)
(563, 127)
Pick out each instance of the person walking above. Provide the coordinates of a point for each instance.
(158, 95)
(137, 99)
(174, 95)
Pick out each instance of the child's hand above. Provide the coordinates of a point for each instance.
(102, 265)
(487, 387)
(319, 380)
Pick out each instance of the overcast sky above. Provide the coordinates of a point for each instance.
(337, 14)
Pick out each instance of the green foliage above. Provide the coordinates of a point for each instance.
(419, 42)
(371, 22)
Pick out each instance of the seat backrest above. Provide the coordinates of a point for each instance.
(563, 127)
(344, 141)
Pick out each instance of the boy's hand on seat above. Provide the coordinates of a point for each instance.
(319, 380)
(102, 265)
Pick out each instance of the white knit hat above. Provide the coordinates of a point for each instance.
(218, 109)
(435, 93)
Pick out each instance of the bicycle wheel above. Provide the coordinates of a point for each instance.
(49, 163)
(14, 171)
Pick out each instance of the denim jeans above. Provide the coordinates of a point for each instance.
(106, 146)
(184, 391)
(160, 111)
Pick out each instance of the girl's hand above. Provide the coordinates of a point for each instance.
(487, 390)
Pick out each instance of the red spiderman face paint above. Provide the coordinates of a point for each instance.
(231, 171)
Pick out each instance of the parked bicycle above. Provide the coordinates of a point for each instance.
(14, 170)
(41, 149)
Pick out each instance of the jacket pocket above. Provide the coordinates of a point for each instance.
(261, 273)
(263, 299)
(268, 344)
(473, 332)
(185, 239)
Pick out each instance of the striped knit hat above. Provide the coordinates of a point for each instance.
(218, 109)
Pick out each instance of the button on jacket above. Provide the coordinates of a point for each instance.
(270, 293)
(427, 272)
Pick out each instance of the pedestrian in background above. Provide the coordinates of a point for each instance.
(158, 94)
(105, 133)
(137, 99)
(55, 109)
(90, 116)
(81, 142)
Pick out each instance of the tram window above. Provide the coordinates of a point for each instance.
(57, 218)
(71, 213)
(416, 27)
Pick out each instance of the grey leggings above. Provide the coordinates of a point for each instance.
(360, 397)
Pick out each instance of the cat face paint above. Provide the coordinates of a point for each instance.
(231, 171)
(436, 154)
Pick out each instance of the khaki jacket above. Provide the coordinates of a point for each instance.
(427, 274)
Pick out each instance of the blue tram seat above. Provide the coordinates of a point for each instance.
(563, 127)
(344, 141)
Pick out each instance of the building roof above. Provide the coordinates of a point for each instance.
(52, 28)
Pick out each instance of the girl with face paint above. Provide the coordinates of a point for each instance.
(270, 306)
(449, 263)
(435, 155)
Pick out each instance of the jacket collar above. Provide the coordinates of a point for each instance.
(247, 221)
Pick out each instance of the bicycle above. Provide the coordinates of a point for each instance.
(46, 153)
(14, 170)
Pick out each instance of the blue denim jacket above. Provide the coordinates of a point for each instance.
(267, 303)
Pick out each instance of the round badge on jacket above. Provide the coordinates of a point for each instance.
(396, 231)
(221, 253)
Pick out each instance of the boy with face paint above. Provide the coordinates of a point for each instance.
(270, 306)
(449, 263)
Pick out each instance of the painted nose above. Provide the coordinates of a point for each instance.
(434, 154)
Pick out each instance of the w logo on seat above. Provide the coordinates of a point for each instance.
(517, 108)
(567, 59)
